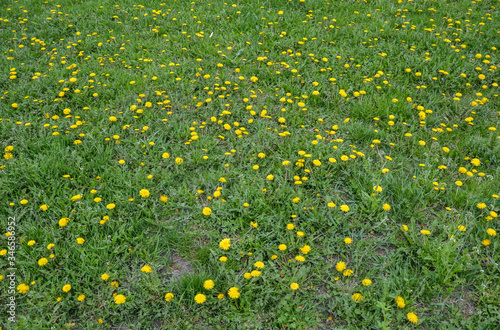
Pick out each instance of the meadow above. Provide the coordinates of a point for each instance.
(286, 164)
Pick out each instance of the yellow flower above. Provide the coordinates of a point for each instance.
(169, 296)
(282, 247)
(81, 297)
(347, 240)
(344, 208)
(80, 240)
(220, 296)
(462, 228)
(32, 242)
(400, 301)
(42, 262)
(247, 276)
(104, 277)
(459, 183)
(270, 177)
(209, 284)
(296, 200)
(481, 206)
(225, 244)
(200, 298)
(259, 264)
(486, 242)
(110, 206)
(491, 232)
(475, 162)
(207, 211)
(340, 266)
(179, 160)
(300, 258)
(294, 286)
(366, 282)
(425, 232)
(120, 299)
(146, 269)
(44, 207)
(412, 317)
(23, 288)
(223, 259)
(348, 272)
(165, 155)
(76, 197)
(274, 257)
(164, 199)
(63, 222)
(144, 193)
(305, 249)
(358, 297)
(386, 207)
(331, 204)
(66, 288)
(300, 234)
(233, 293)
(255, 273)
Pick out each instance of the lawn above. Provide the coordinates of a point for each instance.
(286, 164)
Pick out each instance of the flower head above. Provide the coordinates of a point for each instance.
(412, 317)
(169, 296)
(120, 299)
(358, 297)
(225, 244)
(146, 269)
(209, 284)
(200, 298)
(144, 193)
(294, 286)
(233, 293)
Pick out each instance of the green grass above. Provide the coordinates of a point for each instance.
(412, 74)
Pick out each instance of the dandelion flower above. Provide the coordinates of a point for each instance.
(233, 293)
(144, 193)
(305, 249)
(66, 288)
(259, 264)
(81, 297)
(344, 208)
(358, 297)
(120, 299)
(23, 288)
(208, 284)
(294, 286)
(340, 266)
(347, 240)
(400, 301)
(200, 298)
(412, 317)
(104, 277)
(225, 244)
(207, 211)
(169, 296)
(42, 262)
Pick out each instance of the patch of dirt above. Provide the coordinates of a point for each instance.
(180, 267)
(465, 302)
